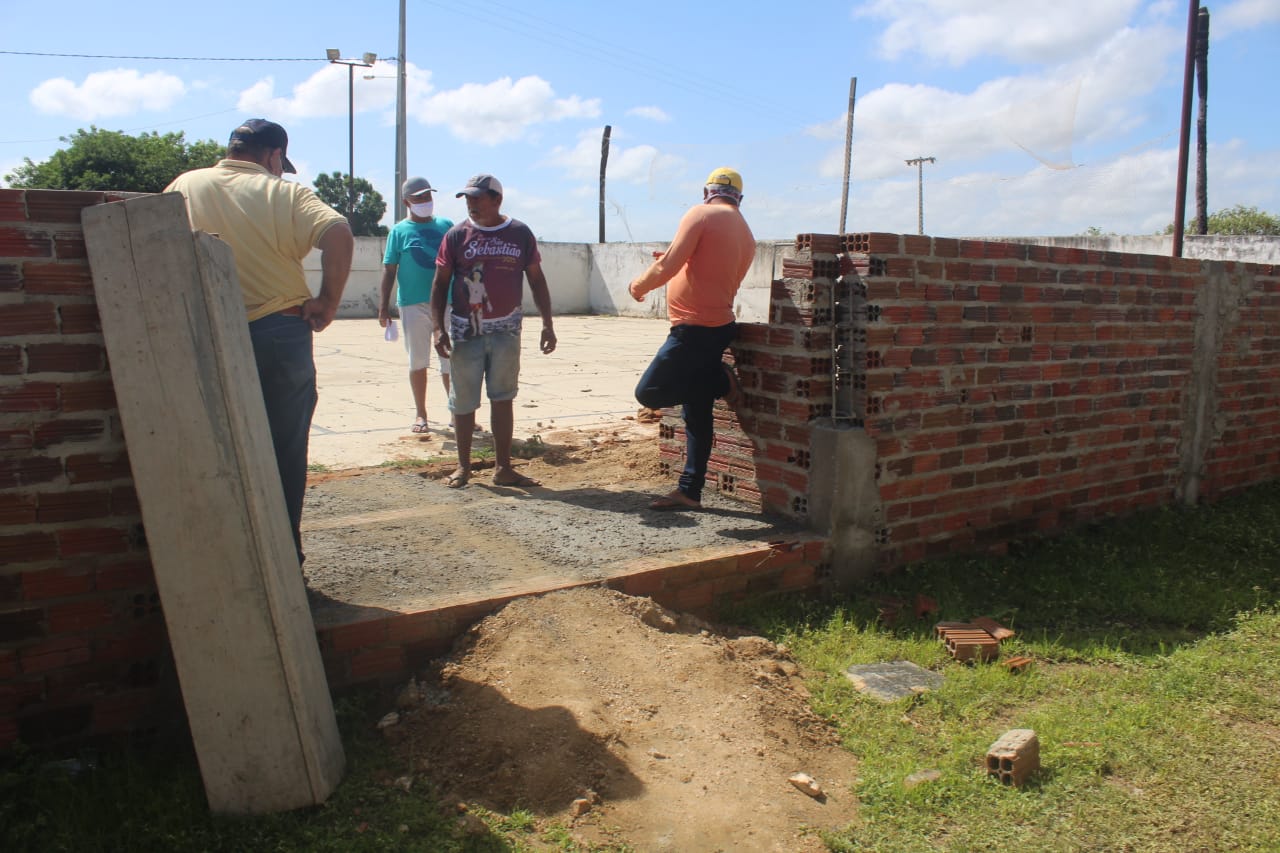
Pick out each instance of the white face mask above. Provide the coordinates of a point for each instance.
(422, 210)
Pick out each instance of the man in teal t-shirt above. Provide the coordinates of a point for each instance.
(411, 257)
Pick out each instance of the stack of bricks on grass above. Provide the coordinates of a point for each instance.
(1010, 390)
(966, 641)
(1014, 757)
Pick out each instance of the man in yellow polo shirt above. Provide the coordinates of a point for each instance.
(271, 224)
(702, 269)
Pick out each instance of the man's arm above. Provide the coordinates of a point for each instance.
(336, 246)
(668, 263)
(542, 299)
(384, 300)
(439, 301)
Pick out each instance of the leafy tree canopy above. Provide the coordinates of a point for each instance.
(369, 206)
(1237, 220)
(97, 159)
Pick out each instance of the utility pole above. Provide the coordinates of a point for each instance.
(401, 143)
(1202, 123)
(919, 162)
(1184, 137)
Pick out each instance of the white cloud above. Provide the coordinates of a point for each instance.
(651, 113)
(501, 111)
(1242, 15)
(1048, 115)
(120, 92)
(1029, 31)
(634, 164)
(326, 93)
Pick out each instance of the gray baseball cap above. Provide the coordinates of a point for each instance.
(416, 186)
(480, 184)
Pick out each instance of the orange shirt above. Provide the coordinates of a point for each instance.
(705, 264)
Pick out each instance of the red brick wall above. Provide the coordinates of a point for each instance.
(83, 648)
(1010, 389)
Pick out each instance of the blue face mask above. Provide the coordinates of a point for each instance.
(423, 210)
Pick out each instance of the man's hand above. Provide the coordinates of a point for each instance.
(319, 312)
(548, 341)
(384, 316)
(631, 288)
(440, 338)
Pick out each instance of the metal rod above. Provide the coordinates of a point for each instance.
(604, 161)
(848, 151)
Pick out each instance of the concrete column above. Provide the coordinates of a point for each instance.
(844, 500)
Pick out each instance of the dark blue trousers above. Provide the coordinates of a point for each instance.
(687, 371)
(287, 371)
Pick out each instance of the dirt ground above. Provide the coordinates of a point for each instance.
(631, 725)
(606, 713)
(396, 538)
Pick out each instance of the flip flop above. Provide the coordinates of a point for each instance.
(674, 501)
(419, 426)
(520, 482)
(457, 480)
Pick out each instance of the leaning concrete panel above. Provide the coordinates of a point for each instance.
(203, 465)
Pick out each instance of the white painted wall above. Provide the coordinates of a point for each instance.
(584, 278)
(592, 278)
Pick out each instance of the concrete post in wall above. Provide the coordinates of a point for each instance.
(844, 501)
(217, 529)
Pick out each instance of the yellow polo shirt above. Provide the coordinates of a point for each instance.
(270, 223)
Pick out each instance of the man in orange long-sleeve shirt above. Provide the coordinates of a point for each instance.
(702, 268)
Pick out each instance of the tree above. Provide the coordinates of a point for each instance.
(1239, 220)
(369, 207)
(97, 159)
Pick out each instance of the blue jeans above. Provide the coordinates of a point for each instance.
(287, 371)
(687, 371)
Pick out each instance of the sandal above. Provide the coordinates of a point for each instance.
(676, 500)
(457, 480)
(419, 426)
(734, 395)
(520, 482)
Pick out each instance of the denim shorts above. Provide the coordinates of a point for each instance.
(493, 358)
(416, 322)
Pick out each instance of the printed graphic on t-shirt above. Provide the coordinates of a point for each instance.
(488, 277)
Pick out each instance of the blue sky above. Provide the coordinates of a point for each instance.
(1045, 117)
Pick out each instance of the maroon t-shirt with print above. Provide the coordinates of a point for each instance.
(488, 275)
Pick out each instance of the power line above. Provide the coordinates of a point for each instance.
(167, 58)
(391, 60)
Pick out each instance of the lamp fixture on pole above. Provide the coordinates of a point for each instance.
(335, 57)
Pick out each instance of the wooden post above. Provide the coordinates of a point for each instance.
(217, 528)
(604, 161)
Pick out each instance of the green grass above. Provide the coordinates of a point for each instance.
(1154, 696)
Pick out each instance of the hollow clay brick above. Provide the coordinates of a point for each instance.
(1014, 757)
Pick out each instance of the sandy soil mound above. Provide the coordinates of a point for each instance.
(630, 723)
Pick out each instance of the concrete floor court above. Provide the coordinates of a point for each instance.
(366, 407)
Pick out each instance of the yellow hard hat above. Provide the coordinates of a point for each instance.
(725, 177)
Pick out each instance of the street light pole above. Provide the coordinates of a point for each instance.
(334, 56)
(919, 162)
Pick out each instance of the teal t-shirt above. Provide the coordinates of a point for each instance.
(412, 247)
